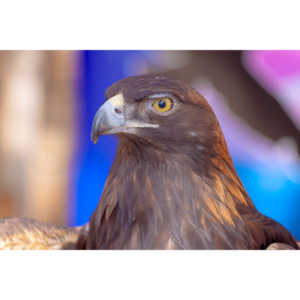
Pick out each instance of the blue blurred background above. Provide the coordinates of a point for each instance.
(268, 164)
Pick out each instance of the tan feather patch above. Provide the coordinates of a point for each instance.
(25, 234)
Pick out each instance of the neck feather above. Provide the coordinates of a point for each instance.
(148, 189)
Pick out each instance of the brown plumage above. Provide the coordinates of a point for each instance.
(172, 184)
(26, 234)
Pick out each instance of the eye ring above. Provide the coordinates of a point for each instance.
(163, 104)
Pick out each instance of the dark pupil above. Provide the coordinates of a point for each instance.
(162, 103)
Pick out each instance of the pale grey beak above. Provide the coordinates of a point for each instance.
(108, 118)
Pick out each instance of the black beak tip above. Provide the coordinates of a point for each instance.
(95, 132)
(94, 139)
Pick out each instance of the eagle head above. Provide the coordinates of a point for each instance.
(159, 111)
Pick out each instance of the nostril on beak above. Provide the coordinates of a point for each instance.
(118, 111)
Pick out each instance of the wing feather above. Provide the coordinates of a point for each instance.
(27, 234)
(280, 246)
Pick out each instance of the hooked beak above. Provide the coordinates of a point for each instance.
(110, 119)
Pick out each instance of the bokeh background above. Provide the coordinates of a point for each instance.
(51, 171)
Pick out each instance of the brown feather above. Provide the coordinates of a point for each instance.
(280, 246)
(26, 234)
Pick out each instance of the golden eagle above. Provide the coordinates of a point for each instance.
(172, 184)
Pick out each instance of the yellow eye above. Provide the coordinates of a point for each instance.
(163, 104)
